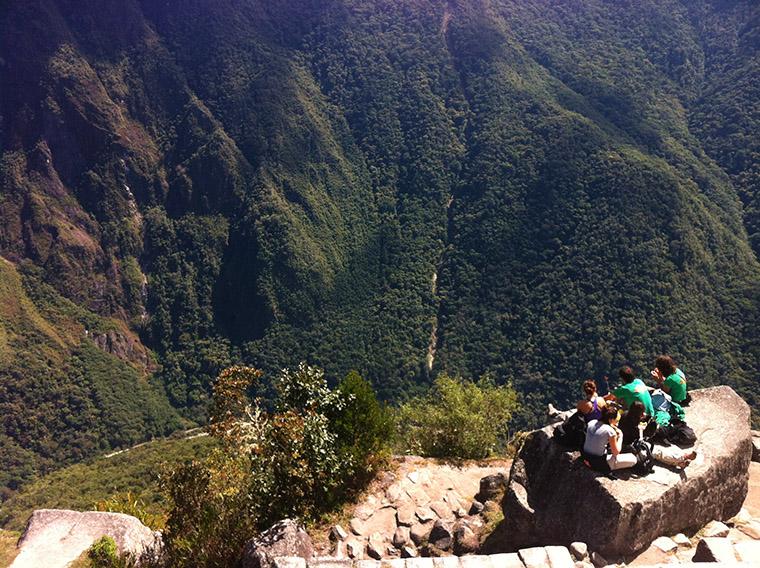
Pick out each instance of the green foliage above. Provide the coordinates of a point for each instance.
(104, 482)
(289, 462)
(130, 504)
(537, 191)
(457, 419)
(363, 429)
(104, 554)
(63, 398)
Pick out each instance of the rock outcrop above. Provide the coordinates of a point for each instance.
(553, 499)
(283, 539)
(54, 537)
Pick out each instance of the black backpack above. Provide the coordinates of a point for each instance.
(643, 452)
(572, 432)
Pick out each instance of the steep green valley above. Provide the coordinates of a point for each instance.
(532, 190)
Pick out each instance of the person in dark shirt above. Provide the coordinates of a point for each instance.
(629, 423)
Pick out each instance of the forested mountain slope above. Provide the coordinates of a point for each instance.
(537, 190)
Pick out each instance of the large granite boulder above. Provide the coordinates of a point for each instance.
(552, 498)
(285, 538)
(55, 537)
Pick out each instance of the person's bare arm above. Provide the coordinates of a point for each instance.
(615, 441)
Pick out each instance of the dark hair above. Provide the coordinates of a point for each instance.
(665, 364)
(637, 410)
(626, 374)
(589, 387)
(609, 412)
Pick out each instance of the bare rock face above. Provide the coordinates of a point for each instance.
(56, 537)
(554, 499)
(285, 538)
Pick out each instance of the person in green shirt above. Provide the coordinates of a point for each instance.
(670, 378)
(633, 389)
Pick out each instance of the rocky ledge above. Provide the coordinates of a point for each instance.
(553, 499)
(56, 537)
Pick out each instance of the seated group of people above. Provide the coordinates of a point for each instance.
(621, 425)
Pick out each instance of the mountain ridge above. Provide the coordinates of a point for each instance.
(534, 191)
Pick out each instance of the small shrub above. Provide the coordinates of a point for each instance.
(364, 430)
(131, 505)
(105, 554)
(457, 419)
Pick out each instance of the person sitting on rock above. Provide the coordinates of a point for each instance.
(591, 406)
(631, 425)
(671, 379)
(632, 389)
(604, 442)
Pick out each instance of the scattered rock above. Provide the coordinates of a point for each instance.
(714, 549)
(289, 562)
(441, 536)
(751, 529)
(598, 560)
(682, 540)
(401, 537)
(375, 546)
(405, 515)
(534, 557)
(413, 476)
(420, 532)
(286, 538)
(418, 495)
(715, 529)
(549, 499)
(741, 518)
(425, 514)
(357, 527)
(559, 557)
(393, 493)
(748, 551)
(465, 540)
(354, 549)
(476, 507)
(443, 510)
(665, 544)
(579, 550)
(491, 487)
(460, 513)
(338, 533)
(408, 552)
(55, 537)
(364, 511)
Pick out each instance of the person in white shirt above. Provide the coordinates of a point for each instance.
(604, 441)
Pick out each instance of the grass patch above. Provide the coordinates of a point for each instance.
(8, 550)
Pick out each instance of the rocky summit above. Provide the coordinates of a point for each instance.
(552, 498)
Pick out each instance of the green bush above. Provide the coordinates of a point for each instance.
(457, 419)
(296, 461)
(364, 429)
(104, 554)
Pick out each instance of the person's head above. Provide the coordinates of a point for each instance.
(636, 410)
(610, 414)
(626, 374)
(589, 388)
(665, 364)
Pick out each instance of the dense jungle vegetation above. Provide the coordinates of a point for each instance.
(532, 191)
